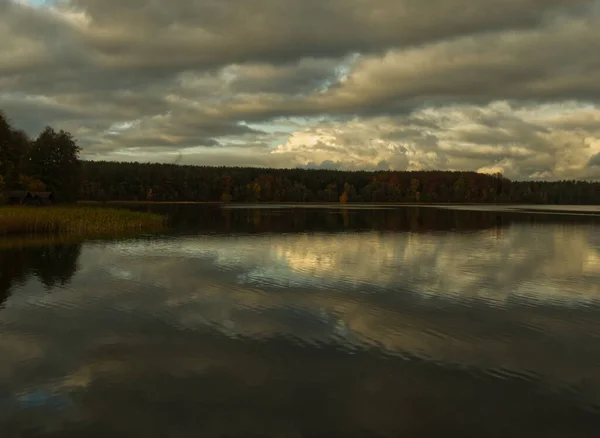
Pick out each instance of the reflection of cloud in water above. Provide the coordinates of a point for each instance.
(546, 263)
(446, 298)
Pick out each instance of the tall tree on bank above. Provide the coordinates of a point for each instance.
(2, 186)
(53, 158)
(6, 164)
(14, 145)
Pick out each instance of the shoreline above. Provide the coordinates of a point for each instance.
(326, 203)
(556, 208)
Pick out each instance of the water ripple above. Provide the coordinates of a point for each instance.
(494, 323)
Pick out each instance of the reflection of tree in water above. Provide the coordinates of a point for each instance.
(52, 264)
(289, 219)
(13, 271)
(293, 219)
(55, 265)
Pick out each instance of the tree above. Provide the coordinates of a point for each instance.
(13, 146)
(330, 194)
(415, 185)
(53, 159)
(344, 198)
(5, 139)
(459, 189)
(31, 184)
(2, 186)
(226, 197)
(36, 186)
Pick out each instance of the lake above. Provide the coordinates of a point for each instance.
(285, 321)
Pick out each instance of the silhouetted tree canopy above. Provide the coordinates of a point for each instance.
(50, 162)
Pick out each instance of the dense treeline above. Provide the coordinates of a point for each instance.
(169, 182)
(50, 162)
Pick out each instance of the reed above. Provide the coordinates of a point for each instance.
(76, 220)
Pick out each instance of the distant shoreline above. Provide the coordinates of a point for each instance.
(424, 204)
(523, 208)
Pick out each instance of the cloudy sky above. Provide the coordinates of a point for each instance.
(488, 85)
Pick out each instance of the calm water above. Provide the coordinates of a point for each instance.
(317, 322)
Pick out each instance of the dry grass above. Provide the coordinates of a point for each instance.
(76, 220)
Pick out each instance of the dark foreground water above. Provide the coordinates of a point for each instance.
(318, 322)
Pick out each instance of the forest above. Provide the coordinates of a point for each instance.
(51, 162)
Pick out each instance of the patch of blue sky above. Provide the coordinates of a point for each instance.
(342, 72)
(40, 3)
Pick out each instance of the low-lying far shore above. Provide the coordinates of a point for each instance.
(76, 220)
(486, 206)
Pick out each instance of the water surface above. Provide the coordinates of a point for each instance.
(294, 322)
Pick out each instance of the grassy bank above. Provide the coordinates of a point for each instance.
(75, 220)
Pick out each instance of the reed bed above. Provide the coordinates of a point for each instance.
(76, 220)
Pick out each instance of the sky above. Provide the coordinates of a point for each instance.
(509, 86)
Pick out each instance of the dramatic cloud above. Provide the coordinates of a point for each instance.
(595, 160)
(489, 85)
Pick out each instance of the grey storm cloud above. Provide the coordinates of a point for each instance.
(210, 33)
(595, 160)
(425, 79)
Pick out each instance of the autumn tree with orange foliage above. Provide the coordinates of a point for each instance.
(31, 184)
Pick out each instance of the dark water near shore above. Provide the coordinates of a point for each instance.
(307, 322)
